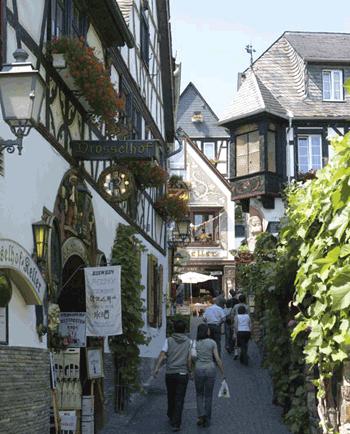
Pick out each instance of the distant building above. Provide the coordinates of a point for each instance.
(203, 163)
(288, 105)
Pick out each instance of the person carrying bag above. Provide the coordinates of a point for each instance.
(207, 358)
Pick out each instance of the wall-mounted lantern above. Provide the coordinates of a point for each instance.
(22, 92)
(40, 233)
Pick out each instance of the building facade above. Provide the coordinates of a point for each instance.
(203, 164)
(72, 196)
(288, 106)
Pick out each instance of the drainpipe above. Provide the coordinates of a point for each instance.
(290, 121)
(179, 149)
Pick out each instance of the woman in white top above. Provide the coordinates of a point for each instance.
(243, 332)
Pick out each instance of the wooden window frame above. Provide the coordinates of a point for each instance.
(308, 137)
(249, 172)
(332, 90)
(144, 37)
(154, 292)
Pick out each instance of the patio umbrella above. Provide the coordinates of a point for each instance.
(193, 277)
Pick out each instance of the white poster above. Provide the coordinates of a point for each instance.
(73, 326)
(103, 301)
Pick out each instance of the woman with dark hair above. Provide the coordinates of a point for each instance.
(243, 332)
(205, 373)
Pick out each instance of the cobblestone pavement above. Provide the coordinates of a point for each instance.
(248, 411)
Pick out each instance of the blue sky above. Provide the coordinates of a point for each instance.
(209, 37)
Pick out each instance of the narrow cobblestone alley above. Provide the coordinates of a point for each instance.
(248, 411)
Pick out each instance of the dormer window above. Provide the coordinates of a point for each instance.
(332, 85)
(197, 117)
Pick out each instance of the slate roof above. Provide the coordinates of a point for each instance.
(321, 46)
(191, 101)
(125, 7)
(278, 82)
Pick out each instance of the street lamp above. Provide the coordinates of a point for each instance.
(22, 92)
(180, 234)
(40, 233)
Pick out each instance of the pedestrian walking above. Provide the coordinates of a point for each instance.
(243, 332)
(175, 352)
(228, 325)
(205, 373)
(214, 316)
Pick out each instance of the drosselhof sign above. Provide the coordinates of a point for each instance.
(23, 271)
(115, 149)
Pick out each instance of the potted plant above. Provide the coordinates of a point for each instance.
(178, 187)
(147, 173)
(172, 208)
(91, 80)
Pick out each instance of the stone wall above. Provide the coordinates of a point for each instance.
(24, 391)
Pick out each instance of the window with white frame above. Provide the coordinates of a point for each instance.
(209, 150)
(309, 152)
(332, 85)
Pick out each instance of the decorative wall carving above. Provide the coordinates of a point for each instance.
(204, 191)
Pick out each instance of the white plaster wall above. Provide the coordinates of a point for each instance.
(269, 215)
(107, 221)
(31, 182)
(22, 323)
(31, 17)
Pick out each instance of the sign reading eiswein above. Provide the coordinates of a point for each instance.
(115, 149)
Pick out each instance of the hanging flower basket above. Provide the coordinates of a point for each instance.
(147, 173)
(91, 80)
(172, 208)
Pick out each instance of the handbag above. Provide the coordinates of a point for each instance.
(224, 391)
(193, 350)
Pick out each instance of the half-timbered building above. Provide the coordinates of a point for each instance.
(66, 194)
(202, 162)
(288, 105)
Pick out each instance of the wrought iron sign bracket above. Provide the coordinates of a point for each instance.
(11, 145)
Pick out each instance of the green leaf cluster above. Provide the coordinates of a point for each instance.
(126, 252)
(319, 221)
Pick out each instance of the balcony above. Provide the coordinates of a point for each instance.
(266, 185)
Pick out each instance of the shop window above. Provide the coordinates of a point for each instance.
(154, 292)
(206, 227)
(144, 36)
(247, 153)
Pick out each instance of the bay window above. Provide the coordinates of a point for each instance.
(247, 153)
(332, 85)
(309, 152)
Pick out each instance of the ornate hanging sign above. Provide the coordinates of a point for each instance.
(117, 183)
(115, 149)
(23, 271)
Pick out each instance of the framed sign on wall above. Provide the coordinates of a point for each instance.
(4, 326)
(94, 363)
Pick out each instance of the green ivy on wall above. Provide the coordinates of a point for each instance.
(126, 252)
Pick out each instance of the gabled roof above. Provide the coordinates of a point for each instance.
(253, 97)
(192, 101)
(276, 82)
(320, 46)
